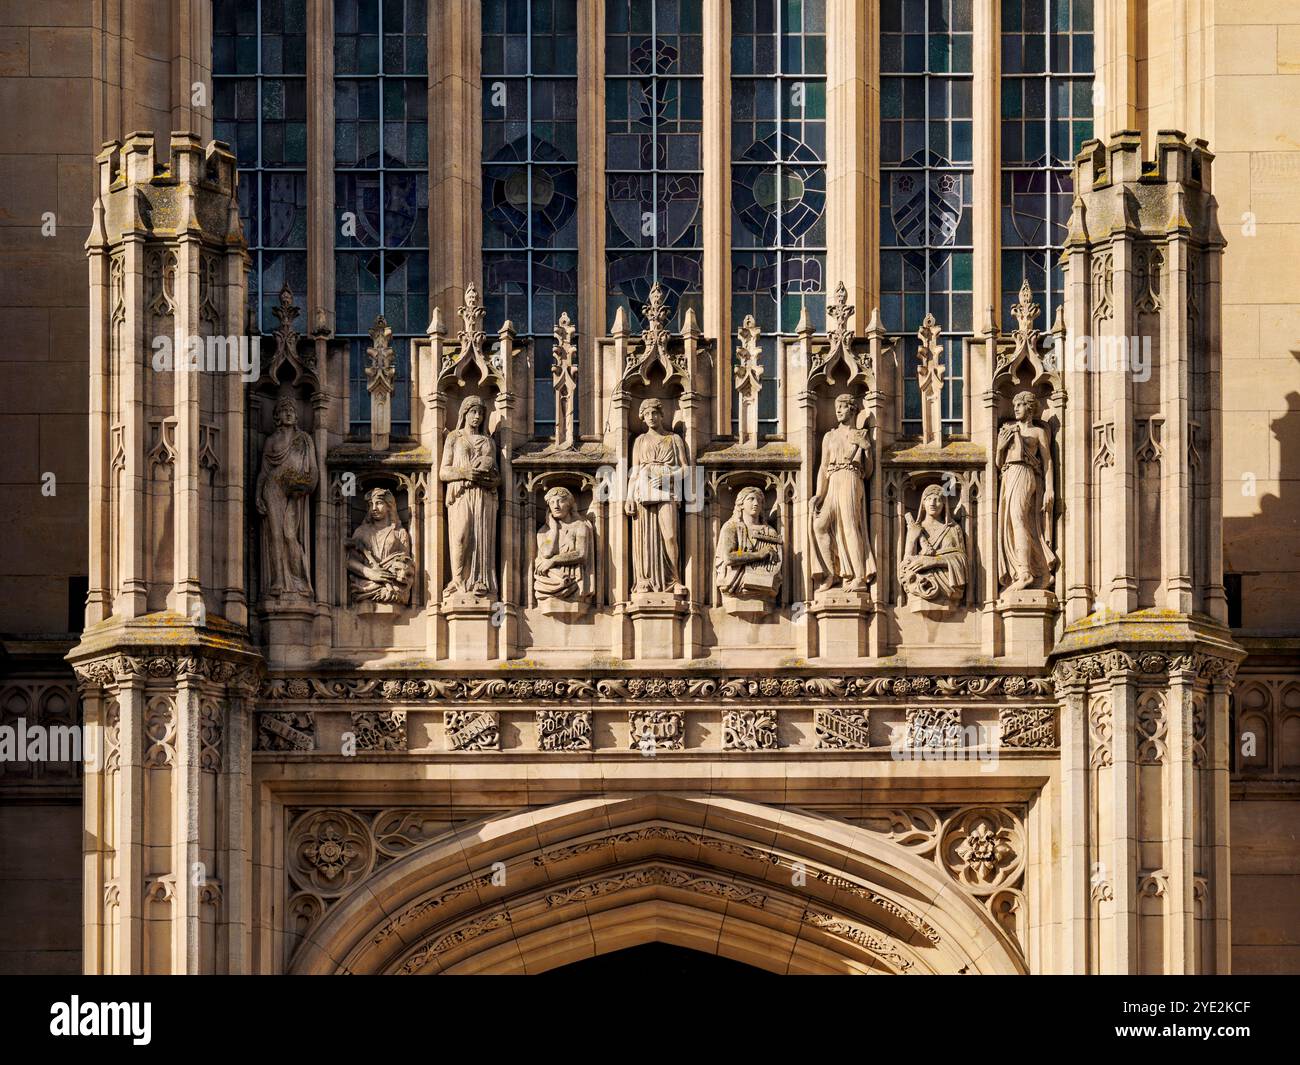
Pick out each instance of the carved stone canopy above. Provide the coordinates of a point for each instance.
(658, 350)
(291, 363)
(841, 355)
(469, 355)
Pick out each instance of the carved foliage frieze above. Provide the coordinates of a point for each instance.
(657, 688)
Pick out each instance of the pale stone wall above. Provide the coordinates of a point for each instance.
(46, 152)
(1254, 129)
(1265, 885)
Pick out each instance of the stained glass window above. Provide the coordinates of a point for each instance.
(259, 68)
(381, 187)
(1047, 66)
(778, 174)
(653, 126)
(925, 211)
(530, 175)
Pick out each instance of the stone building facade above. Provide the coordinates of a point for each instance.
(800, 482)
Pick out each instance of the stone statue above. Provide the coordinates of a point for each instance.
(381, 568)
(1026, 499)
(841, 548)
(654, 501)
(747, 557)
(933, 564)
(470, 472)
(565, 565)
(285, 482)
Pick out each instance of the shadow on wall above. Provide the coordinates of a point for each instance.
(1265, 546)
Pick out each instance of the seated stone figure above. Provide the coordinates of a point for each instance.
(747, 557)
(933, 564)
(380, 566)
(564, 570)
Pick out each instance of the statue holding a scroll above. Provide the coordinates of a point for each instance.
(747, 557)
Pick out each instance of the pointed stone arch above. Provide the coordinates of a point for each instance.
(787, 891)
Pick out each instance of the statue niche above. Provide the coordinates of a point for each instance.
(654, 501)
(285, 482)
(1026, 499)
(471, 472)
(381, 568)
(565, 567)
(748, 558)
(841, 546)
(932, 566)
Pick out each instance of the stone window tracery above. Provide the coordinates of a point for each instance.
(381, 188)
(1046, 109)
(259, 75)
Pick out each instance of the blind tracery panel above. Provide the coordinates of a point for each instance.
(926, 151)
(654, 53)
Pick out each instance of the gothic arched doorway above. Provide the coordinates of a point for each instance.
(779, 890)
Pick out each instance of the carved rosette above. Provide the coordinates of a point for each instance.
(329, 851)
(749, 730)
(983, 849)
